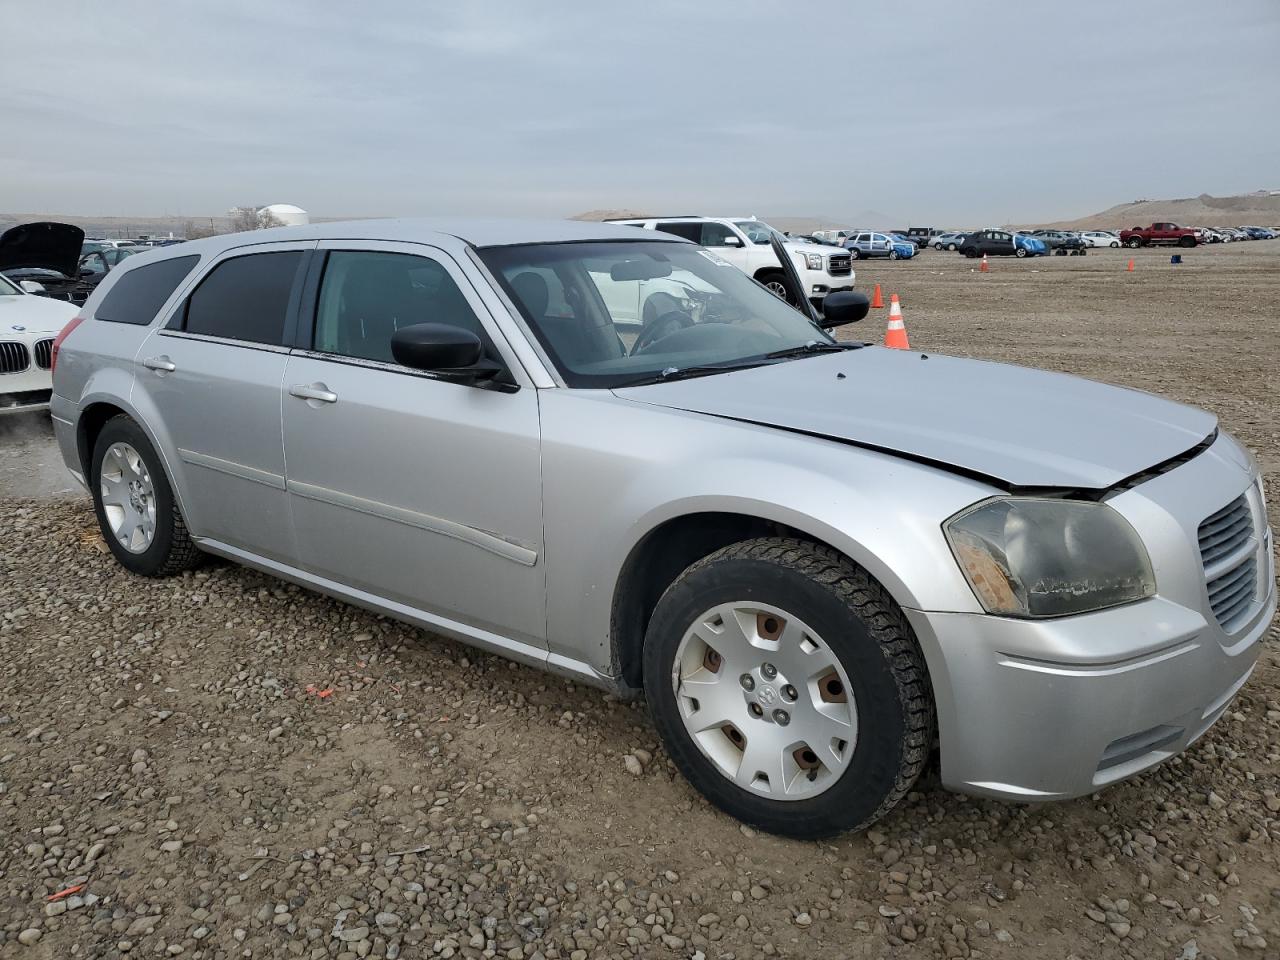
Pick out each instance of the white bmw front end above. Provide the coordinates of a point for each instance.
(28, 325)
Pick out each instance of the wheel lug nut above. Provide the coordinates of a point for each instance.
(769, 671)
(748, 682)
(781, 717)
(790, 693)
(756, 710)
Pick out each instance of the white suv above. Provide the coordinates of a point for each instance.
(744, 242)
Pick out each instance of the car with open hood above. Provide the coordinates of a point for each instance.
(47, 253)
(609, 453)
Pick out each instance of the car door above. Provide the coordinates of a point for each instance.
(403, 485)
(214, 373)
(880, 245)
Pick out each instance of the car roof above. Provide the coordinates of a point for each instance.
(476, 232)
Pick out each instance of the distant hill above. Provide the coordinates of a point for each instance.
(1256, 209)
(111, 228)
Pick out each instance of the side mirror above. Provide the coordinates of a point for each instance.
(843, 306)
(732, 241)
(451, 352)
(31, 286)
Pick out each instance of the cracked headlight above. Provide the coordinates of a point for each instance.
(1049, 558)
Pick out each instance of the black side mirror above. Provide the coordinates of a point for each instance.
(450, 352)
(843, 306)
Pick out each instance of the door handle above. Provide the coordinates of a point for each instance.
(313, 391)
(161, 364)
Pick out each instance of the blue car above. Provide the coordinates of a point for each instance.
(1002, 243)
(868, 244)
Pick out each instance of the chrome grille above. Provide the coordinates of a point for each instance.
(44, 353)
(839, 264)
(1229, 552)
(14, 356)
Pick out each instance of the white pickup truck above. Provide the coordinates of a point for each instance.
(744, 242)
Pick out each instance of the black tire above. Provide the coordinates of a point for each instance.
(171, 550)
(951, 246)
(775, 282)
(855, 253)
(1133, 243)
(937, 246)
(866, 631)
(1114, 244)
(1187, 241)
(893, 254)
(970, 252)
(1020, 252)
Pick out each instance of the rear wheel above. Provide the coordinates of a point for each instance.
(788, 688)
(1115, 244)
(134, 503)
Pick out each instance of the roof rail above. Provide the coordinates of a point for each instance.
(668, 216)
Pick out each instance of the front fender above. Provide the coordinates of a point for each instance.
(615, 470)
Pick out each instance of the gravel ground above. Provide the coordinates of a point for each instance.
(222, 765)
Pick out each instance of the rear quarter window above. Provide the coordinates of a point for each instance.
(140, 293)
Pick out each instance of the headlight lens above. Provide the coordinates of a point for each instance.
(1049, 558)
(814, 260)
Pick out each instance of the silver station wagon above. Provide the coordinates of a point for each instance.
(609, 453)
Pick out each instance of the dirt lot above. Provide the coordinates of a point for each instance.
(172, 748)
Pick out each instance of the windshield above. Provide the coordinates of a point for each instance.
(8, 288)
(757, 231)
(616, 313)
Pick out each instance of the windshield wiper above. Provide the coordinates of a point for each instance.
(695, 370)
(813, 346)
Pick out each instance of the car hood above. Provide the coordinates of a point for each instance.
(1015, 425)
(53, 246)
(33, 314)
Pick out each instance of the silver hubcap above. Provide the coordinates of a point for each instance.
(777, 288)
(765, 700)
(128, 497)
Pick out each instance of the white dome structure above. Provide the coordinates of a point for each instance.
(287, 214)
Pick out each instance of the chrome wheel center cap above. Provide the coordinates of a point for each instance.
(767, 695)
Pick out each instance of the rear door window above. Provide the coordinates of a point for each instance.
(245, 298)
(137, 296)
(690, 231)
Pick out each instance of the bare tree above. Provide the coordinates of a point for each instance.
(198, 231)
(251, 218)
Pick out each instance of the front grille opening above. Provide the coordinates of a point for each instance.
(14, 356)
(1228, 551)
(1138, 745)
(44, 353)
(26, 398)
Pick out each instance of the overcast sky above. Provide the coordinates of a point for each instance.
(928, 111)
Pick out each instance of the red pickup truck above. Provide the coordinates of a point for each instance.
(1159, 233)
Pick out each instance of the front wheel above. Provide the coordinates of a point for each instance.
(1020, 252)
(855, 253)
(893, 254)
(788, 688)
(970, 252)
(1133, 243)
(1187, 242)
(134, 503)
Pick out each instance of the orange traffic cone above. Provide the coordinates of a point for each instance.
(895, 335)
(984, 268)
(1131, 265)
(877, 300)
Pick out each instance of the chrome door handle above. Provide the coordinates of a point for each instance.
(161, 363)
(313, 391)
